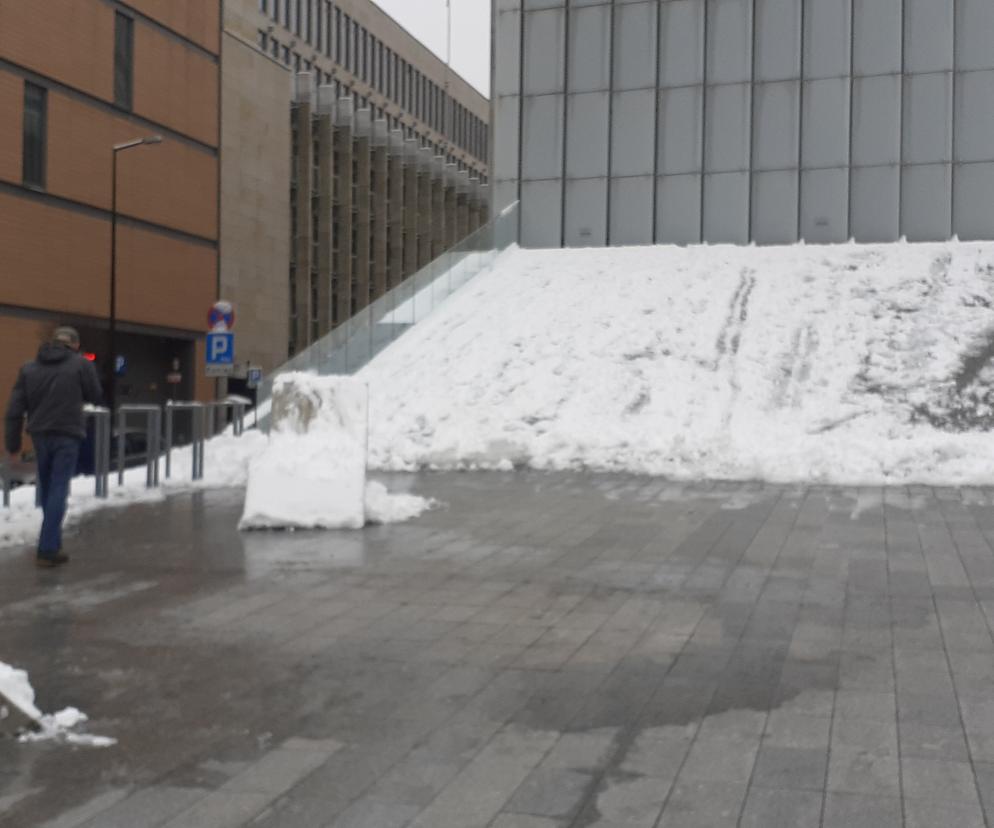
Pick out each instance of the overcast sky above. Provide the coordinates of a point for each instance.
(425, 19)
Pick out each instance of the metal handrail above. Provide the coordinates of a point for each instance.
(198, 416)
(153, 432)
(101, 448)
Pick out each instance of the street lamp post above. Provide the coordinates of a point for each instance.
(117, 148)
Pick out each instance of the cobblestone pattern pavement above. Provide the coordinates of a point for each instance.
(542, 651)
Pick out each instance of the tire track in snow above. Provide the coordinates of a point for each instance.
(730, 338)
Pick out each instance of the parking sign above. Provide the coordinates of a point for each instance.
(220, 354)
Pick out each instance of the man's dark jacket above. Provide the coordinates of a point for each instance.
(51, 391)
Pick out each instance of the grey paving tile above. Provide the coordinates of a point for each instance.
(844, 810)
(222, 810)
(704, 805)
(855, 770)
(791, 768)
(657, 752)
(865, 705)
(149, 807)
(551, 792)
(938, 780)
(626, 801)
(924, 813)
(933, 742)
(525, 821)
(719, 760)
(371, 813)
(786, 729)
(771, 808)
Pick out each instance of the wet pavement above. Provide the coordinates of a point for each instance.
(542, 651)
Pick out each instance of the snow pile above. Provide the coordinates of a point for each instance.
(384, 507)
(16, 688)
(844, 364)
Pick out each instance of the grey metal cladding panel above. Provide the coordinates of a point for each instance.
(726, 208)
(729, 33)
(875, 204)
(774, 207)
(975, 34)
(975, 202)
(507, 116)
(928, 118)
(826, 38)
(542, 137)
(590, 49)
(876, 127)
(776, 111)
(682, 43)
(778, 40)
(727, 138)
(507, 71)
(635, 32)
(631, 210)
(678, 209)
(825, 142)
(545, 57)
(580, 3)
(877, 37)
(975, 116)
(541, 213)
(587, 124)
(926, 202)
(825, 206)
(544, 4)
(680, 130)
(928, 35)
(586, 213)
(633, 132)
(506, 5)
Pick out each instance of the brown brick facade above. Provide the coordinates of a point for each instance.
(56, 244)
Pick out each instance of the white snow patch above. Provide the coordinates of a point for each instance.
(384, 507)
(832, 364)
(16, 687)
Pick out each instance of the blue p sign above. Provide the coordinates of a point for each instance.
(220, 348)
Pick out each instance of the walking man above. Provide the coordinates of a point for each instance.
(51, 392)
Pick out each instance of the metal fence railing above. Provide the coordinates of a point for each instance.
(151, 442)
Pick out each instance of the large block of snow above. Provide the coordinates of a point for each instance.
(312, 475)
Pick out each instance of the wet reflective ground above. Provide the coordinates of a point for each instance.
(542, 651)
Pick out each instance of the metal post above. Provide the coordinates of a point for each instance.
(121, 422)
(169, 438)
(112, 358)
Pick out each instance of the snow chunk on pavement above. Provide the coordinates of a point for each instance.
(384, 507)
(312, 475)
(16, 690)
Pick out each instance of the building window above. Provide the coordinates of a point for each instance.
(263, 40)
(35, 138)
(327, 27)
(274, 47)
(286, 55)
(296, 62)
(345, 54)
(124, 58)
(286, 13)
(264, 6)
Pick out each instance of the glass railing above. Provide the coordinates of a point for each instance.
(354, 343)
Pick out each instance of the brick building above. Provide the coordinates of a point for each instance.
(76, 78)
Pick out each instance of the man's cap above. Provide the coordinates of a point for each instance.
(66, 335)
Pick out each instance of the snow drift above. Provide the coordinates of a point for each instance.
(845, 364)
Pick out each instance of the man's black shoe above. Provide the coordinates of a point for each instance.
(48, 562)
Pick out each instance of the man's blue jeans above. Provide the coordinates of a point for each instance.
(57, 455)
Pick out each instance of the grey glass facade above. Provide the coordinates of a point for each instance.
(681, 121)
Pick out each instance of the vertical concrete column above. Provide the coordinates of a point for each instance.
(362, 207)
(484, 204)
(342, 284)
(396, 174)
(451, 180)
(379, 171)
(412, 204)
(462, 206)
(473, 199)
(324, 126)
(301, 310)
(438, 208)
(425, 207)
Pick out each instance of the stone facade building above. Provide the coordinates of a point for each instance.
(388, 157)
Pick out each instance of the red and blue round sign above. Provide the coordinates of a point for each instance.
(221, 316)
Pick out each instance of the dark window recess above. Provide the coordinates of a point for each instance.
(35, 137)
(124, 59)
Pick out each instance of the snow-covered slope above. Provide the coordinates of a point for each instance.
(854, 364)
